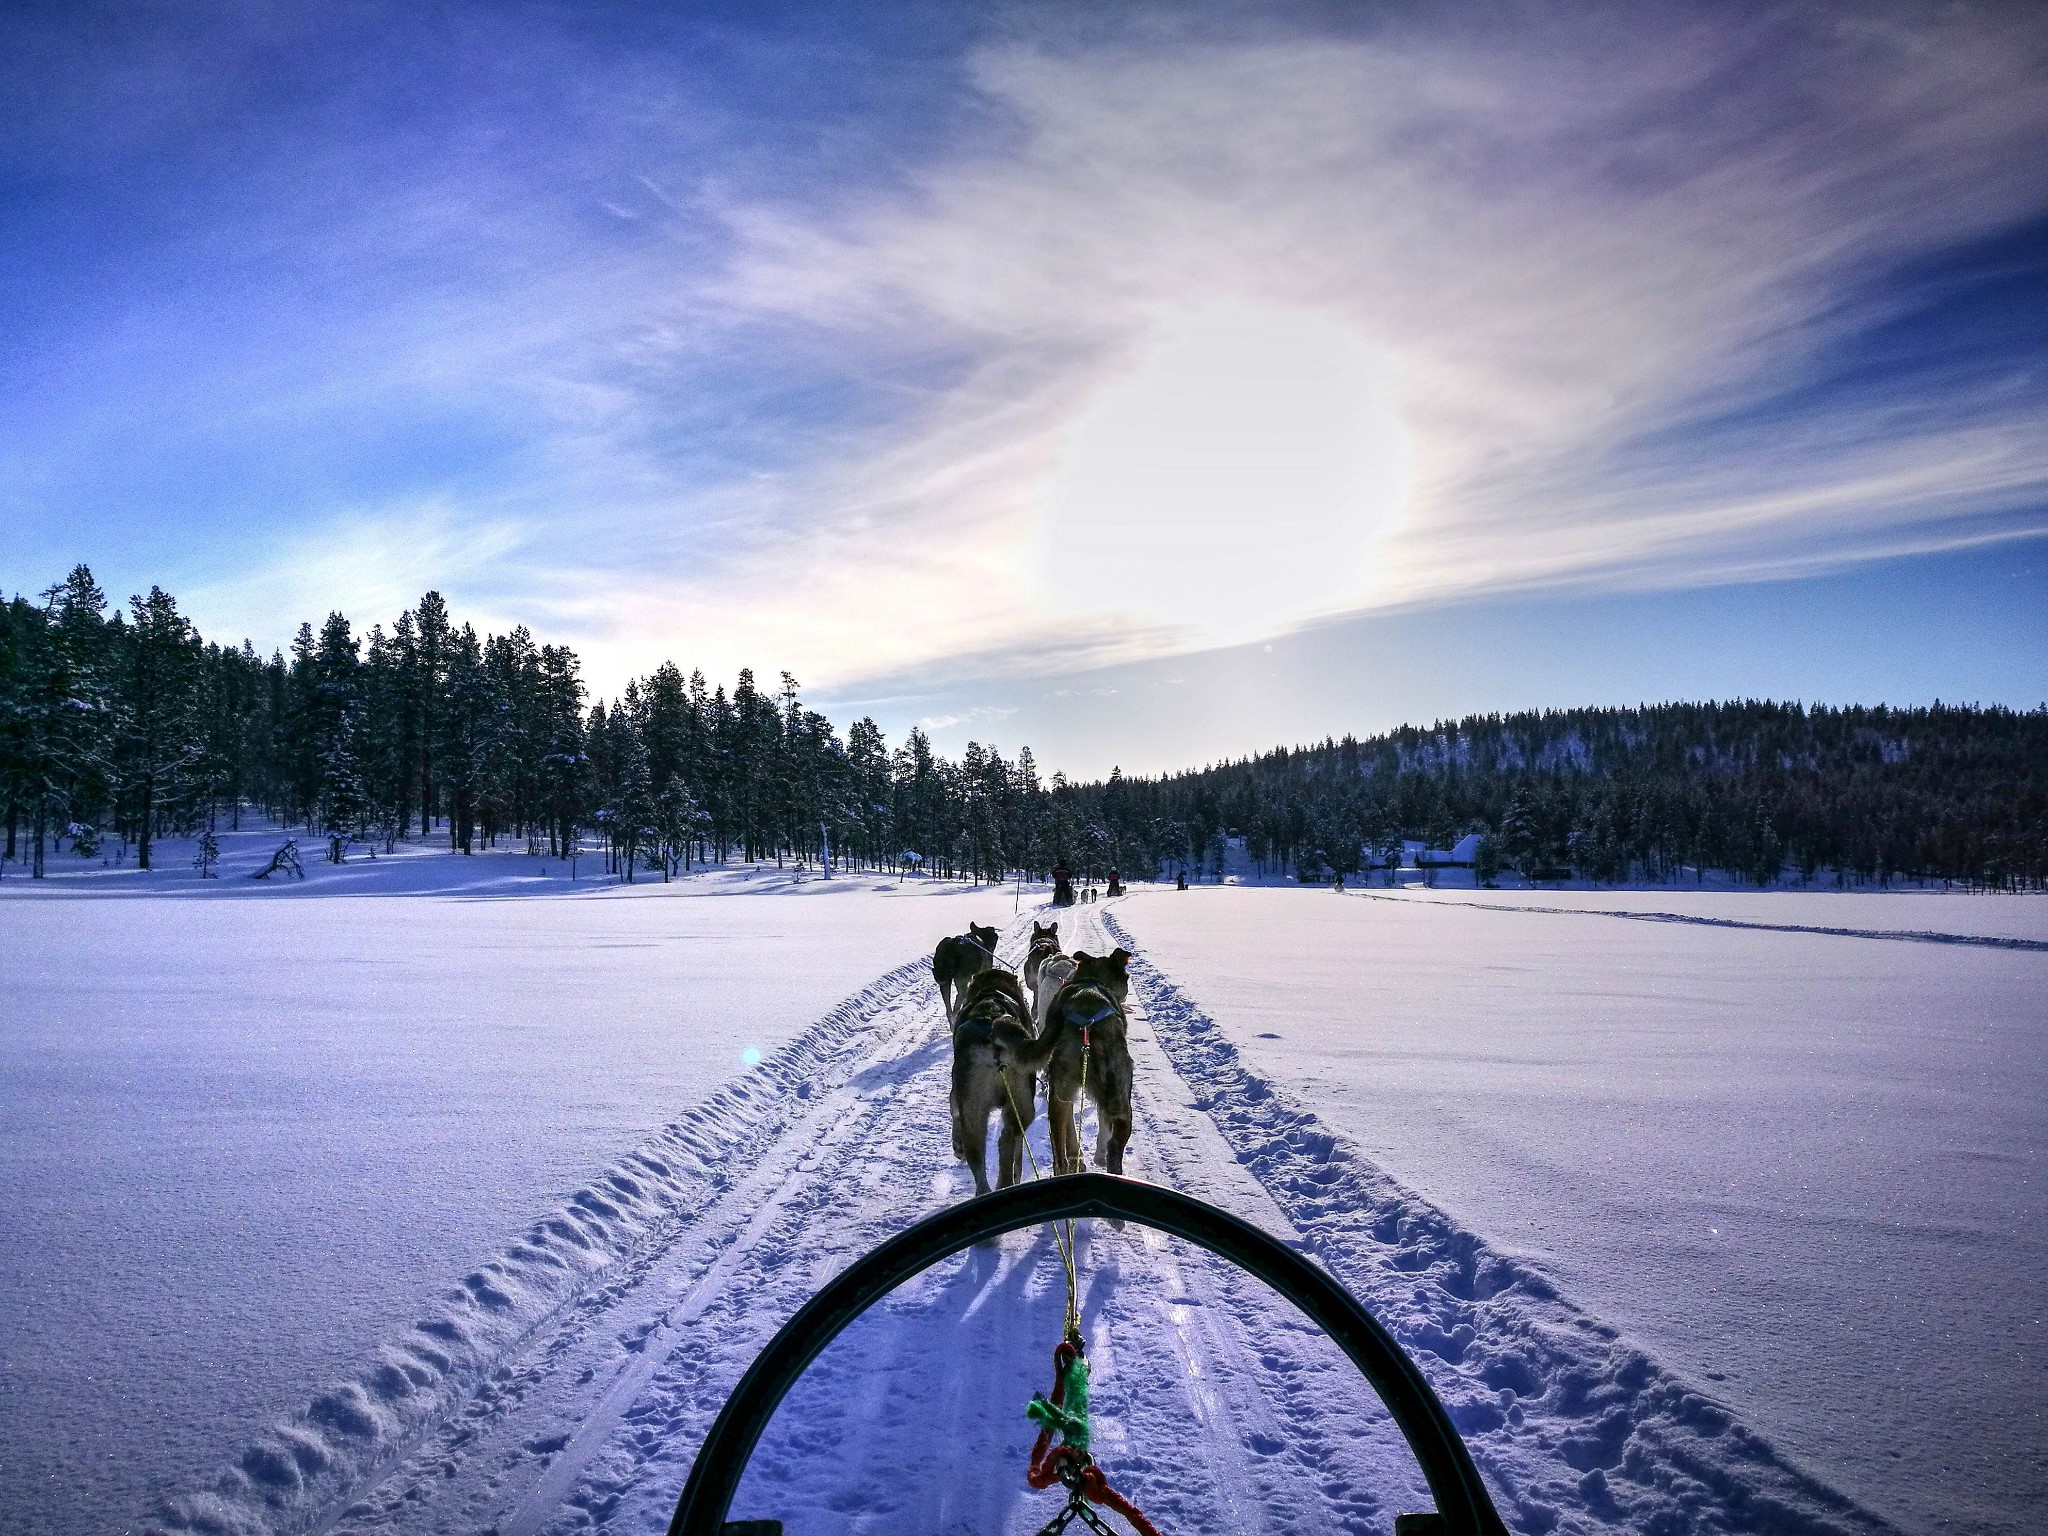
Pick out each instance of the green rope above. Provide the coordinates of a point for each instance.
(1070, 1415)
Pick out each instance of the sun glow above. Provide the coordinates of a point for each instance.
(1235, 478)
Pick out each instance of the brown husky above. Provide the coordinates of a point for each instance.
(960, 956)
(991, 1003)
(1085, 1016)
(1045, 944)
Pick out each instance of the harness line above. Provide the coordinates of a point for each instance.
(1065, 1412)
(1064, 1243)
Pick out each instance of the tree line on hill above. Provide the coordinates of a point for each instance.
(130, 725)
(1763, 792)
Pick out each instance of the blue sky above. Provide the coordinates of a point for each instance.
(1029, 373)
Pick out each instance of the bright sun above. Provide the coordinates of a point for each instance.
(1234, 479)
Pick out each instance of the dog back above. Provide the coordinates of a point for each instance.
(1053, 973)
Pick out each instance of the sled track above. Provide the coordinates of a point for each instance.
(1212, 1410)
(566, 1385)
(1907, 935)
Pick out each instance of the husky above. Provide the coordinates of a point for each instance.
(1045, 944)
(991, 1005)
(1054, 971)
(1088, 1006)
(959, 957)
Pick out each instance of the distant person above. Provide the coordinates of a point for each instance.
(1180, 881)
(1062, 885)
(1116, 883)
(1338, 883)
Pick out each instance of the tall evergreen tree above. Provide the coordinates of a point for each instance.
(159, 741)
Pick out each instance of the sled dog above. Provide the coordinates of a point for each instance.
(991, 1003)
(1090, 1000)
(1045, 944)
(960, 956)
(1054, 972)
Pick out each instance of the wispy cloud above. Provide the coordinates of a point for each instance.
(1554, 246)
(953, 724)
(1181, 335)
(371, 565)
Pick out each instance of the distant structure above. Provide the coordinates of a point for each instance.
(1460, 855)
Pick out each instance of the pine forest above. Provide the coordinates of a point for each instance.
(119, 727)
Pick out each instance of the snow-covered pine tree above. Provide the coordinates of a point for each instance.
(1487, 860)
(344, 803)
(427, 668)
(564, 767)
(158, 737)
(467, 707)
(631, 809)
(55, 713)
(676, 819)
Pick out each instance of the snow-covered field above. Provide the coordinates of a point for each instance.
(456, 1205)
(248, 1129)
(1924, 915)
(1807, 1172)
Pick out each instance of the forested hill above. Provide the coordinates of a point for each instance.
(116, 727)
(1760, 790)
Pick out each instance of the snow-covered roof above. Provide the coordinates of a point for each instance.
(1463, 851)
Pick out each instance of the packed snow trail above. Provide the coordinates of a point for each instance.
(1905, 935)
(572, 1379)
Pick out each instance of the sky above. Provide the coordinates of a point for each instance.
(1148, 384)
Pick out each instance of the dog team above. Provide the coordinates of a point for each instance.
(1064, 1018)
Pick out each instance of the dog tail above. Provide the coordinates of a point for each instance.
(1020, 1047)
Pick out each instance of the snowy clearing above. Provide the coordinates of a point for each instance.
(479, 1239)
(247, 1130)
(1805, 1171)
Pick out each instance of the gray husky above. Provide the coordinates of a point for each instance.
(1084, 1017)
(991, 1003)
(960, 956)
(1045, 945)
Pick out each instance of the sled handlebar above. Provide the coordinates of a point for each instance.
(1464, 1507)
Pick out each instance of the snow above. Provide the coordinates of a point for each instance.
(1952, 914)
(453, 1205)
(248, 1129)
(1804, 1172)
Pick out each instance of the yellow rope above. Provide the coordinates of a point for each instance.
(1073, 1285)
(1066, 1245)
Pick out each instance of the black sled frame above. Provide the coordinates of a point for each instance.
(1463, 1506)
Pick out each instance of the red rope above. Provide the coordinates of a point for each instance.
(1047, 1462)
(1096, 1487)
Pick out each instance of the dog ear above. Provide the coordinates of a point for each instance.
(1120, 958)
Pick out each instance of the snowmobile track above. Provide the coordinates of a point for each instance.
(1901, 935)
